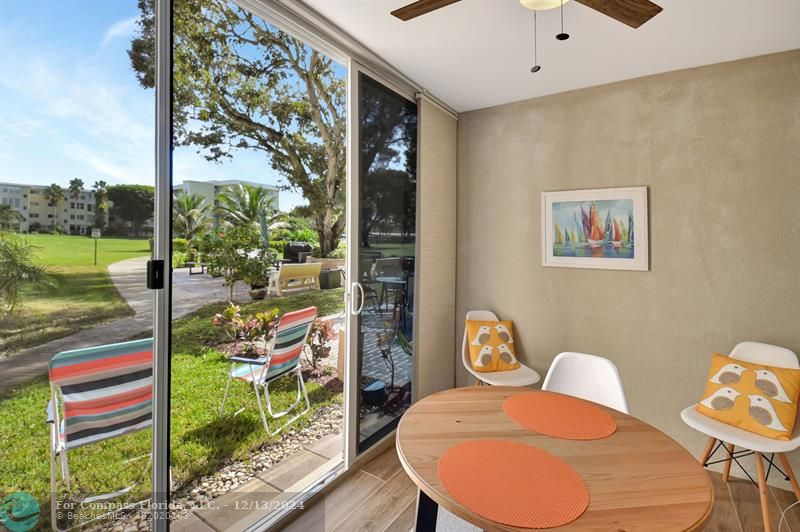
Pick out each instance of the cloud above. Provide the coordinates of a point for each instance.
(79, 116)
(123, 28)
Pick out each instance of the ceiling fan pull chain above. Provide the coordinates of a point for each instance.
(562, 36)
(536, 67)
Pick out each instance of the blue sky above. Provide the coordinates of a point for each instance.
(70, 106)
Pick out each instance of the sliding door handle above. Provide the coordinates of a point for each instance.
(353, 311)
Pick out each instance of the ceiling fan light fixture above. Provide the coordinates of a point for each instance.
(563, 36)
(541, 5)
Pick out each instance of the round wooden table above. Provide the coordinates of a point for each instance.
(638, 478)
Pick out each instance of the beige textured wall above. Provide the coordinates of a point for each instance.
(719, 149)
(435, 348)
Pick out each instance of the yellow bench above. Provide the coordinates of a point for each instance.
(294, 276)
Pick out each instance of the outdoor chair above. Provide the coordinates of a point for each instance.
(282, 360)
(97, 393)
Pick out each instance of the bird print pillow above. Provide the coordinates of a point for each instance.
(753, 397)
(491, 346)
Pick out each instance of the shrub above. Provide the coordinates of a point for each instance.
(319, 336)
(18, 268)
(231, 252)
(278, 244)
(338, 253)
(179, 259)
(251, 329)
(180, 244)
(296, 229)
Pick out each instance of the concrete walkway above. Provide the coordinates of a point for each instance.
(129, 278)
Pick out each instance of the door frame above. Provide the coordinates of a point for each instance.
(352, 385)
(162, 251)
(163, 243)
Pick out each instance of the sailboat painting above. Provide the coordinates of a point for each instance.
(601, 228)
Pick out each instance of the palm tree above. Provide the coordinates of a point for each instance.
(76, 187)
(100, 203)
(54, 194)
(243, 204)
(189, 215)
(9, 217)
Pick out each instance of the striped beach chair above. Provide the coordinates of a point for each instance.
(98, 393)
(282, 360)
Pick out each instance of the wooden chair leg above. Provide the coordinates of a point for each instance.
(762, 491)
(726, 470)
(707, 452)
(789, 473)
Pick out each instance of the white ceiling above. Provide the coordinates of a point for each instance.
(478, 53)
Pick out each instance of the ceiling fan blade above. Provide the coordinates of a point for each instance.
(634, 13)
(420, 7)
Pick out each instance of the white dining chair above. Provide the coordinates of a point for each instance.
(522, 376)
(589, 377)
(728, 437)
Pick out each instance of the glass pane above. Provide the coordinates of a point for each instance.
(76, 145)
(387, 238)
(258, 218)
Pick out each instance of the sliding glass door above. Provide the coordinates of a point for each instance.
(383, 227)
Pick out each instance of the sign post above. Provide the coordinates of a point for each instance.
(95, 237)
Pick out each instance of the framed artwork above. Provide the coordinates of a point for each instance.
(603, 228)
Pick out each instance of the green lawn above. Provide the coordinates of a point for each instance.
(78, 251)
(82, 297)
(201, 440)
(400, 249)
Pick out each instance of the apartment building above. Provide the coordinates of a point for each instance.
(75, 214)
(210, 189)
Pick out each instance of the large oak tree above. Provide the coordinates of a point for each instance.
(241, 84)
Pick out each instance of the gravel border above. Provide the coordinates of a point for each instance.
(199, 492)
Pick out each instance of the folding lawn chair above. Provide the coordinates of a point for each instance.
(282, 359)
(97, 393)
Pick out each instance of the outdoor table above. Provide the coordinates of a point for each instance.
(638, 478)
(193, 265)
(391, 281)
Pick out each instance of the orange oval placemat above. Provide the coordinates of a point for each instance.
(513, 483)
(559, 416)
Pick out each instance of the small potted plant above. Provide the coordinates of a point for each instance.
(257, 268)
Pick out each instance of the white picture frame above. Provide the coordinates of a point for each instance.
(605, 244)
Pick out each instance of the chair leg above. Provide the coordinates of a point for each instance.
(261, 407)
(726, 469)
(707, 452)
(789, 473)
(65, 468)
(762, 491)
(301, 394)
(53, 492)
(225, 395)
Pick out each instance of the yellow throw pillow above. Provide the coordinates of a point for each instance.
(757, 398)
(491, 346)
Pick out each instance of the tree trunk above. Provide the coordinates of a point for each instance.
(328, 240)
(328, 231)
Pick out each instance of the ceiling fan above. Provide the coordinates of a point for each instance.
(634, 13)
